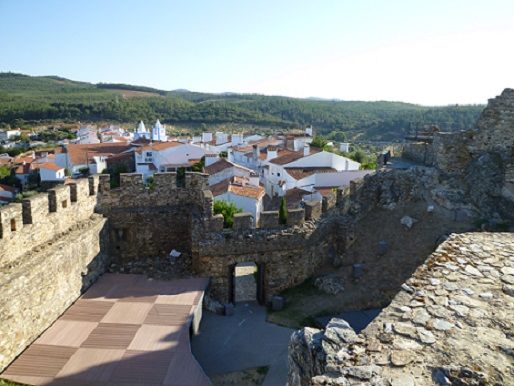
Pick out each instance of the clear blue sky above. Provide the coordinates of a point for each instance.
(429, 52)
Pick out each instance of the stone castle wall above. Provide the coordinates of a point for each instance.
(149, 221)
(43, 217)
(289, 255)
(419, 152)
(51, 250)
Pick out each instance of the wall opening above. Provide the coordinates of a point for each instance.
(64, 204)
(13, 225)
(246, 282)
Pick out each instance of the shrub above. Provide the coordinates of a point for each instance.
(282, 211)
(228, 210)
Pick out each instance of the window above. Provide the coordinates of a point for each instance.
(278, 174)
(149, 154)
(13, 225)
(64, 204)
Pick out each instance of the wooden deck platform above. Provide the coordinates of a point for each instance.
(125, 330)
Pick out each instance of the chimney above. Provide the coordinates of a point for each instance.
(271, 152)
(210, 159)
(254, 179)
(256, 151)
(290, 142)
(237, 139)
(206, 137)
(306, 150)
(308, 131)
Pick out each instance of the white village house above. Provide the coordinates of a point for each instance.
(220, 169)
(75, 157)
(244, 193)
(49, 171)
(284, 169)
(166, 157)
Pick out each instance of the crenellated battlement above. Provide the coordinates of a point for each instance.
(41, 218)
(166, 189)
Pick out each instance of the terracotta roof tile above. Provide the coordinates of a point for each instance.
(46, 165)
(7, 188)
(159, 146)
(80, 154)
(301, 172)
(251, 191)
(286, 156)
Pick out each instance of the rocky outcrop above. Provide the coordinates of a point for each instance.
(306, 356)
(451, 324)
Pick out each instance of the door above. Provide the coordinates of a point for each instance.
(261, 273)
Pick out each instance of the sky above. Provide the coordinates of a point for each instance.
(433, 52)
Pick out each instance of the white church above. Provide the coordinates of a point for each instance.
(158, 132)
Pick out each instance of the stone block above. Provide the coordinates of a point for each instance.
(269, 219)
(165, 180)
(383, 246)
(35, 209)
(277, 303)
(229, 309)
(216, 223)
(295, 216)
(93, 182)
(312, 210)
(358, 271)
(131, 180)
(59, 198)
(11, 220)
(197, 180)
(242, 221)
(328, 201)
(104, 183)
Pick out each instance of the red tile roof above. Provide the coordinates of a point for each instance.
(46, 165)
(81, 154)
(159, 146)
(286, 156)
(238, 186)
(7, 188)
(301, 172)
(218, 166)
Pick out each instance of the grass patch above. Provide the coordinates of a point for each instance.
(248, 377)
(4, 382)
(295, 314)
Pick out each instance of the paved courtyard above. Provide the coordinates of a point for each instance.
(242, 341)
(125, 330)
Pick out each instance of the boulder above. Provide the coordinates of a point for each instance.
(408, 221)
(330, 284)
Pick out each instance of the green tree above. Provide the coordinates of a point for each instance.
(198, 167)
(319, 141)
(4, 172)
(228, 210)
(33, 180)
(282, 211)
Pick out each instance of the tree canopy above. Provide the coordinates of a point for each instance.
(34, 99)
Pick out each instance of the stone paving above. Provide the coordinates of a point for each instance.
(242, 341)
(452, 323)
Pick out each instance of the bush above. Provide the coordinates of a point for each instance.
(228, 210)
(282, 211)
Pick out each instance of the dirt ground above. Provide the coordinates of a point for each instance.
(249, 377)
(383, 275)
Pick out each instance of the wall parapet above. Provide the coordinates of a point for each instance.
(44, 216)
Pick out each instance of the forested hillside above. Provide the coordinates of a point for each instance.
(35, 99)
